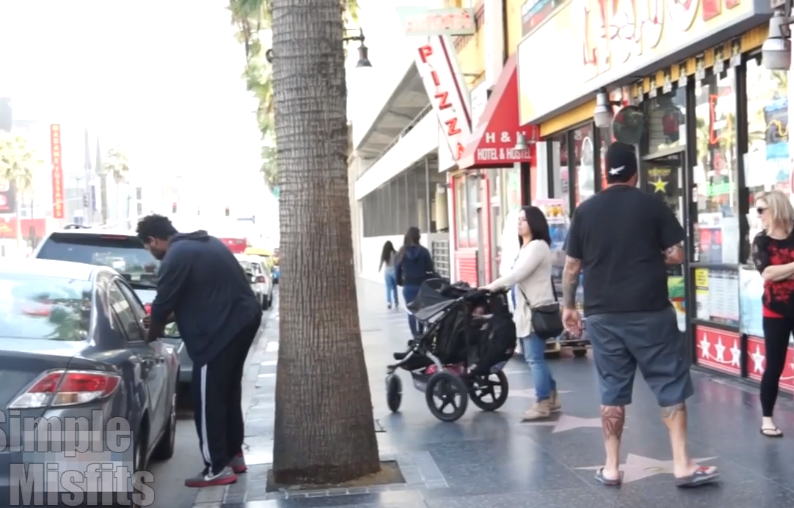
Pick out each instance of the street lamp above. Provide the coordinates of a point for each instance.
(776, 50)
(602, 115)
(521, 142)
(363, 51)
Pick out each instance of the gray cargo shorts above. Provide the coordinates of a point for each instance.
(648, 340)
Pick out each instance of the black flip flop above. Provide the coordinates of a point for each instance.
(603, 480)
(701, 476)
(778, 432)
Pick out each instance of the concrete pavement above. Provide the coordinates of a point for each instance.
(494, 460)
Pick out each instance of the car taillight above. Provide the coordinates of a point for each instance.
(65, 388)
(260, 278)
(148, 308)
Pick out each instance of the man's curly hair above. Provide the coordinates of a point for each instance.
(155, 226)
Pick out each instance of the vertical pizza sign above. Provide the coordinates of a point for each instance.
(58, 211)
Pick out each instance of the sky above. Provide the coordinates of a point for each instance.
(161, 78)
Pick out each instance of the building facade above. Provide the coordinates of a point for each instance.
(686, 85)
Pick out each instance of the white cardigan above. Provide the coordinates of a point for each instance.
(532, 275)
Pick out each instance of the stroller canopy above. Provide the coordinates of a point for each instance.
(434, 297)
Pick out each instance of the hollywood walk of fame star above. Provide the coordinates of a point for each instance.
(720, 350)
(529, 393)
(659, 185)
(758, 360)
(638, 467)
(567, 422)
(705, 346)
(736, 354)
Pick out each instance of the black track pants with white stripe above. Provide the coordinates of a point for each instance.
(217, 401)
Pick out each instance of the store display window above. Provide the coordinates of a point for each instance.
(666, 128)
(766, 165)
(715, 172)
(584, 162)
(716, 217)
(461, 215)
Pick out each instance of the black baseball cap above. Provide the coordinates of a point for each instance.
(621, 162)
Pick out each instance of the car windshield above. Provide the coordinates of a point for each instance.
(43, 307)
(125, 254)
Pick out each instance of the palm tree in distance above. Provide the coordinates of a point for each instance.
(118, 166)
(18, 165)
(253, 19)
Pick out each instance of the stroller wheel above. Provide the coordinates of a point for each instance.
(394, 392)
(446, 396)
(489, 391)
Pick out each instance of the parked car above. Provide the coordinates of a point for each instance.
(122, 251)
(72, 347)
(268, 258)
(259, 275)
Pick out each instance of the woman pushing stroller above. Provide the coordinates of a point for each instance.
(413, 266)
(531, 276)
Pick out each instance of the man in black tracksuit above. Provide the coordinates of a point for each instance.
(203, 286)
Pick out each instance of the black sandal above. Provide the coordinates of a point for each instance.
(603, 480)
(701, 476)
(771, 432)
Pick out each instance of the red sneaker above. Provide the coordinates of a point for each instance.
(207, 479)
(238, 464)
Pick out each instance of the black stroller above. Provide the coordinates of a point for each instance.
(468, 338)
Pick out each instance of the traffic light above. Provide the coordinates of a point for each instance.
(173, 207)
(227, 211)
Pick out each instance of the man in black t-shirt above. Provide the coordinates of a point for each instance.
(623, 240)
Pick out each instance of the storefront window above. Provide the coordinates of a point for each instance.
(461, 217)
(715, 172)
(605, 139)
(467, 199)
(560, 174)
(716, 224)
(512, 198)
(767, 162)
(667, 121)
(584, 162)
(472, 204)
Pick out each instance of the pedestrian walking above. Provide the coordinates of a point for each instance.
(531, 277)
(623, 239)
(773, 255)
(201, 283)
(413, 266)
(387, 258)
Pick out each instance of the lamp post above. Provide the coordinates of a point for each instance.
(776, 50)
(363, 51)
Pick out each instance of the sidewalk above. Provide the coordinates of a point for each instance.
(494, 460)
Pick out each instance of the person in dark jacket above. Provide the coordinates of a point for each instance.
(413, 266)
(203, 287)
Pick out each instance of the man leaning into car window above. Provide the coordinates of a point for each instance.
(201, 283)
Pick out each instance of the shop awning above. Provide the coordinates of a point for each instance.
(494, 139)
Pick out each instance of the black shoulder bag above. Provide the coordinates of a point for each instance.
(546, 319)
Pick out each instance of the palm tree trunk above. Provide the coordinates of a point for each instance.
(324, 429)
(18, 207)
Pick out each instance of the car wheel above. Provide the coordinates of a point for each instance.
(265, 302)
(165, 448)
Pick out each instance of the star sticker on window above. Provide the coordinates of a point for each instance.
(659, 185)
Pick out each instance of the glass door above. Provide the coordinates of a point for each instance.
(664, 178)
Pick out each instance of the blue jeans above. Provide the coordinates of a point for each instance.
(535, 355)
(391, 288)
(409, 293)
